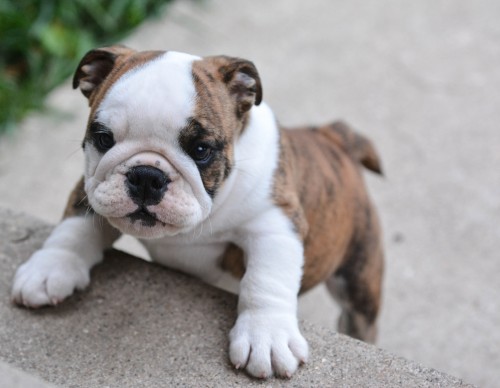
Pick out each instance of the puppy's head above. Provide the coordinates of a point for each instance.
(160, 138)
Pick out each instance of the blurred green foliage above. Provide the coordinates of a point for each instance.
(41, 42)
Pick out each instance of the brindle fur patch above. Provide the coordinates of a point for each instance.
(332, 193)
(217, 168)
(233, 261)
(77, 204)
(215, 113)
(319, 186)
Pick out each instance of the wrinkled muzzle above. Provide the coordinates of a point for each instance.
(147, 196)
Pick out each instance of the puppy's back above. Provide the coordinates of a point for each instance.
(323, 166)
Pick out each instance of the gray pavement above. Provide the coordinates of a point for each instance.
(141, 325)
(421, 79)
(11, 377)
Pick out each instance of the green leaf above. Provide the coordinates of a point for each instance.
(43, 40)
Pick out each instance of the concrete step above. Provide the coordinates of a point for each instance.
(11, 377)
(140, 324)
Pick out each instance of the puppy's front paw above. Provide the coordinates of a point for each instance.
(49, 276)
(266, 343)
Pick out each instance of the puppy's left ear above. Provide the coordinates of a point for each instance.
(243, 82)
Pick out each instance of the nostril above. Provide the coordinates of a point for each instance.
(132, 177)
(158, 183)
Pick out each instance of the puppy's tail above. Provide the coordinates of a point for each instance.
(357, 146)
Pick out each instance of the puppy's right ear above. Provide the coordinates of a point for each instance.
(96, 65)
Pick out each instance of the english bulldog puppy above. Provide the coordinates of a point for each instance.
(181, 152)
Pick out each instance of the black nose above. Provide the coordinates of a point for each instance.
(146, 185)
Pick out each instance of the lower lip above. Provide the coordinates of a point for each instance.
(127, 220)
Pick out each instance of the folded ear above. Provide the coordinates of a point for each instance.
(96, 65)
(243, 82)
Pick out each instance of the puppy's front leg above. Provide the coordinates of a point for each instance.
(63, 263)
(266, 336)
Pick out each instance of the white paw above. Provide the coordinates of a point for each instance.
(48, 277)
(264, 343)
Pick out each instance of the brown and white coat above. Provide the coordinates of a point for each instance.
(233, 196)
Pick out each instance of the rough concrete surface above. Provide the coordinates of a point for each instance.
(11, 377)
(421, 79)
(140, 324)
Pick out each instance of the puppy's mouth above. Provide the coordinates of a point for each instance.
(145, 217)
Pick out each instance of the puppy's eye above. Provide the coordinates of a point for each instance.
(201, 153)
(100, 136)
(103, 141)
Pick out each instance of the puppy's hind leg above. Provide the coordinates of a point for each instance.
(357, 284)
